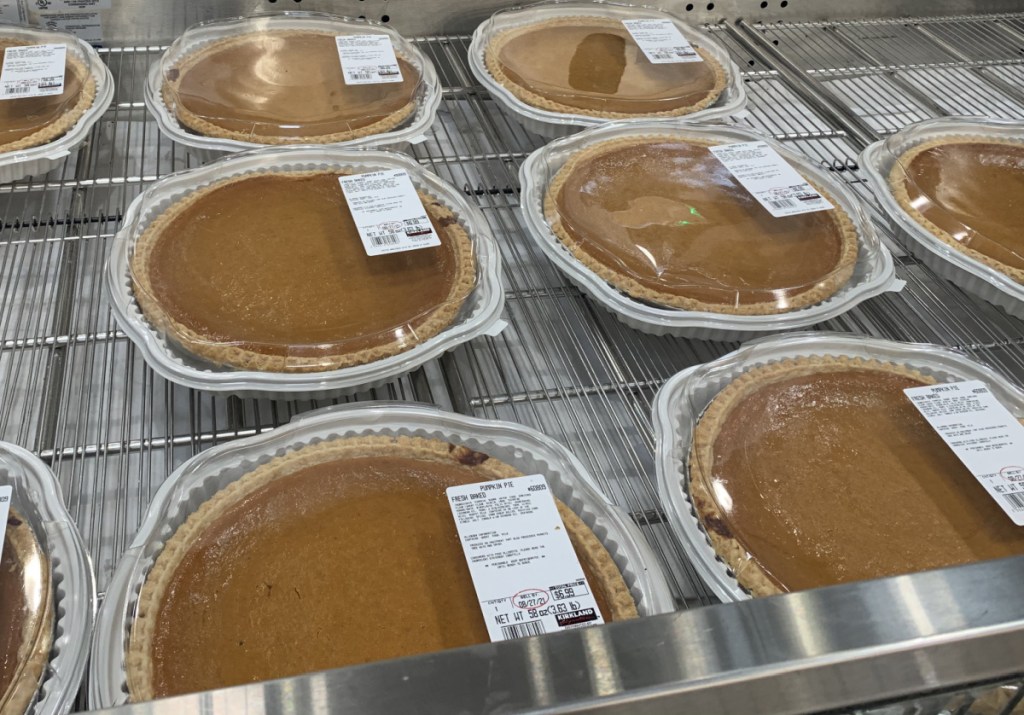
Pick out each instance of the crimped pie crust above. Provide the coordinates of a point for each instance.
(37, 636)
(748, 572)
(61, 126)
(247, 359)
(138, 659)
(824, 289)
(899, 190)
(197, 124)
(536, 100)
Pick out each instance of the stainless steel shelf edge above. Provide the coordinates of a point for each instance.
(898, 636)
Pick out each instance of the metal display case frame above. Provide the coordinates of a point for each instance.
(826, 78)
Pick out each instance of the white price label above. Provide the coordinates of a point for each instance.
(770, 179)
(661, 41)
(388, 212)
(33, 71)
(5, 508)
(982, 433)
(368, 59)
(526, 574)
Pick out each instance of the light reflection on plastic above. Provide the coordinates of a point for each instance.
(693, 212)
(722, 495)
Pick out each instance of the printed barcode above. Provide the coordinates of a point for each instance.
(17, 90)
(521, 630)
(362, 75)
(782, 203)
(385, 239)
(1016, 501)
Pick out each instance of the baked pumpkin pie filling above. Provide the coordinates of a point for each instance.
(26, 615)
(968, 192)
(592, 65)
(819, 471)
(277, 86)
(267, 271)
(31, 121)
(340, 553)
(663, 220)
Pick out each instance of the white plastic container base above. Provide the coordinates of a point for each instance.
(684, 397)
(207, 473)
(873, 274)
(37, 497)
(974, 276)
(207, 149)
(479, 315)
(38, 160)
(552, 124)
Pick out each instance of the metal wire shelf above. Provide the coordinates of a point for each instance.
(74, 389)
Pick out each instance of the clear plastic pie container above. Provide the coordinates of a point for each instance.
(270, 364)
(207, 473)
(683, 399)
(970, 272)
(17, 163)
(204, 114)
(550, 123)
(872, 273)
(37, 497)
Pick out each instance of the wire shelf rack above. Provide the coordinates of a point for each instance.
(74, 389)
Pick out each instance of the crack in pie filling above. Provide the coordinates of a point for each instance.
(283, 86)
(266, 271)
(337, 553)
(968, 192)
(592, 66)
(26, 615)
(661, 219)
(817, 471)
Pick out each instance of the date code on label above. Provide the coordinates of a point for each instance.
(526, 574)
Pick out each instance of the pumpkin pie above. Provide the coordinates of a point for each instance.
(967, 192)
(26, 615)
(661, 219)
(592, 66)
(266, 271)
(30, 121)
(283, 86)
(817, 471)
(338, 553)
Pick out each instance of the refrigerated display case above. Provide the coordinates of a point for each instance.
(826, 79)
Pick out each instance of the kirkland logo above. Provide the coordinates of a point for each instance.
(575, 617)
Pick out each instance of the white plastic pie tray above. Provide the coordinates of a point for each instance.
(481, 313)
(682, 400)
(873, 274)
(552, 124)
(40, 159)
(37, 497)
(204, 148)
(204, 475)
(972, 275)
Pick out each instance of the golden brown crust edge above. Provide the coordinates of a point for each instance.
(138, 660)
(204, 127)
(700, 464)
(828, 286)
(899, 189)
(247, 359)
(63, 125)
(535, 100)
(34, 653)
